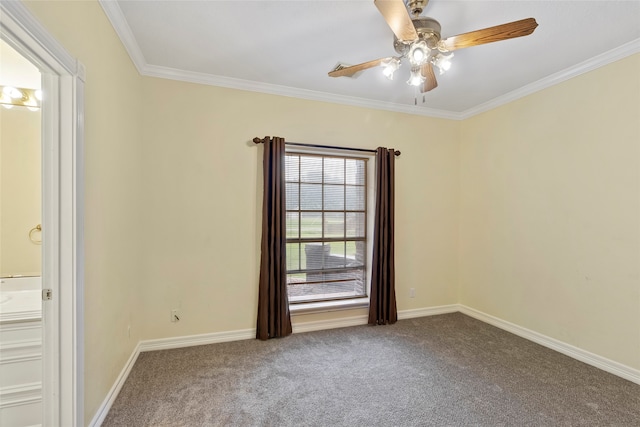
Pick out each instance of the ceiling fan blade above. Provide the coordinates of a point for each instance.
(510, 30)
(397, 17)
(341, 71)
(430, 81)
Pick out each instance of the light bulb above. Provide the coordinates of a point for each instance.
(12, 92)
(419, 53)
(39, 95)
(390, 66)
(443, 62)
(416, 78)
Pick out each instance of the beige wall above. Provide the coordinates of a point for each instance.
(20, 195)
(202, 180)
(550, 212)
(113, 227)
(528, 212)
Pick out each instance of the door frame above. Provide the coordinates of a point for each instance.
(62, 212)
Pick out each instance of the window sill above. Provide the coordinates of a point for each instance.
(324, 306)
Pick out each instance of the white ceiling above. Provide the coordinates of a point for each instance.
(287, 47)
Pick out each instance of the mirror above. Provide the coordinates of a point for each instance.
(20, 166)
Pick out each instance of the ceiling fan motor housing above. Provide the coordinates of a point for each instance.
(428, 29)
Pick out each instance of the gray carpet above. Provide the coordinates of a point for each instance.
(448, 370)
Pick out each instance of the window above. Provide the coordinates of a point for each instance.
(326, 225)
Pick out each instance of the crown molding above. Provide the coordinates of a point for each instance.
(253, 86)
(598, 61)
(116, 17)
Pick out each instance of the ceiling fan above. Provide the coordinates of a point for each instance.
(418, 40)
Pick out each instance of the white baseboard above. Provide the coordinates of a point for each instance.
(344, 322)
(429, 311)
(103, 410)
(244, 334)
(589, 358)
(319, 325)
(192, 340)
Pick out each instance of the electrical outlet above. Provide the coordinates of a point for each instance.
(412, 293)
(175, 315)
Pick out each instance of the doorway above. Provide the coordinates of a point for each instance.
(62, 133)
(20, 240)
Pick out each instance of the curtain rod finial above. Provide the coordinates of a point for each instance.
(397, 152)
(257, 140)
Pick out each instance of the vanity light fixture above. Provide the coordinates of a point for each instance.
(11, 96)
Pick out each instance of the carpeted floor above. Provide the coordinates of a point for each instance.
(447, 370)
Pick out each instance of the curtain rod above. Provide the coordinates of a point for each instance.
(257, 140)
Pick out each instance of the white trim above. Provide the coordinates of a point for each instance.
(18, 395)
(62, 137)
(192, 340)
(103, 410)
(321, 325)
(22, 358)
(589, 358)
(272, 89)
(591, 64)
(21, 316)
(15, 351)
(428, 311)
(35, 324)
(325, 306)
(121, 26)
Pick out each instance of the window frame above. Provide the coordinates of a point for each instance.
(322, 304)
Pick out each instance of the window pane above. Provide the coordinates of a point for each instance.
(336, 258)
(334, 197)
(355, 254)
(314, 255)
(292, 167)
(333, 224)
(355, 198)
(293, 256)
(292, 225)
(310, 169)
(311, 197)
(311, 223)
(355, 171)
(333, 171)
(292, 196)
(355, 224)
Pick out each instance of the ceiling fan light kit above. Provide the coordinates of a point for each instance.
(418, 40)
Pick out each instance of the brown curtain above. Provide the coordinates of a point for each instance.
(274, 319)
(382, 302)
